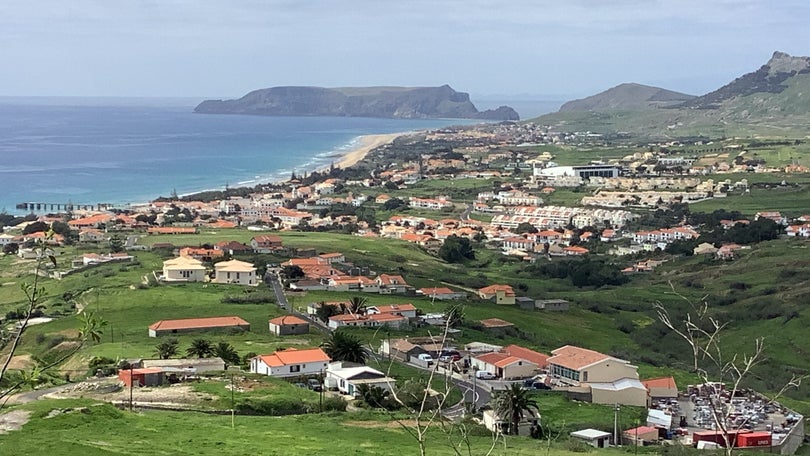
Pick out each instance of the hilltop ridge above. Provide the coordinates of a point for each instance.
(385, 102)
(627, 96)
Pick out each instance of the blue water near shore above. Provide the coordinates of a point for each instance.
(133, 154)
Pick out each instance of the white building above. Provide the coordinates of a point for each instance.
(235, 272)
(290, 363)
(183, 269)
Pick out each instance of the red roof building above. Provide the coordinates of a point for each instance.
(162, 327)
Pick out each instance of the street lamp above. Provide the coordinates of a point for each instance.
(474, 390)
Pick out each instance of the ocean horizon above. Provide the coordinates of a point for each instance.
(130, 154)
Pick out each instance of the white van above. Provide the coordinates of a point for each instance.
(425, 357)
(484, 375)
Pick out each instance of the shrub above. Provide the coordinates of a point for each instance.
(334, 404)
(56, 340)
(274, 407)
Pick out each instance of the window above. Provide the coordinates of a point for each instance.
(295, 368)
(585, 376)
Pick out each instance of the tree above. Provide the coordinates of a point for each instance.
(715, 365)
(456, 249)
(11, 248)
(525, 227)
(357, 306)
(394, 204)
(35, 227)
(292, 272)
(454, 315)
(377, 397)
(342, 346)
(116, 244)
(513, 403)
(90, 330)
(200, 348)
(325, 311)
(228, 354)
(166, 349)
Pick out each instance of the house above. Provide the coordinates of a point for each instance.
(332, 258)
(593, 437)
(290, 362)
(402, 349)
(183, 269)
(498, 425)
(500, 294)
(185, 365)
(382, 198)
(348, 379)
(6, 239)
(661, 388)
(640, 434)
(152, 376)
(93, 235)
(171, 230)
(162, 327)
(201, 254)
(405, 310)
(235, 272)
(573, 365)
(552, 305)
(624, 391)
(441, 293)
(705, 249)
(504, 366)
(392, 284)
(496, 324)
(370, 321)
(538, 358)
(266, 243)
(287, 325)
(233, 247)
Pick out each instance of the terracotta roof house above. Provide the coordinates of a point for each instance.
(538, 358)
(334, 257)
(504, 366)
(233, 247)
(183, 269)
(441, 293)
(266, 243)
(496, 323)
(162, 327)
(171, 230)
(392, 284)
(235, 272)
(500, 294)
(201, 253)
(288, 325)
(573, 365)
(661, 388)
(290, 362)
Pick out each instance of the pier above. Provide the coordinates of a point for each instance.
(63, 207)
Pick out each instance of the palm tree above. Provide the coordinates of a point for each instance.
(166, 349)
(342, 346)
(512, 403)
(226, 351)
(357, 306)
(200, 348)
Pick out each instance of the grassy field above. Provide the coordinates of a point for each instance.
(82, 427)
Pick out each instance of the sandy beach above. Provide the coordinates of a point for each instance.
(365, 145)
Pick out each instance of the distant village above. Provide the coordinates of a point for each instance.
(511, 219)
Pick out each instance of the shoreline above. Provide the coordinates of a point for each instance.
(366, 144)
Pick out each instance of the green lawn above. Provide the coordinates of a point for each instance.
(88, 428)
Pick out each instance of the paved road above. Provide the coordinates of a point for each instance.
(281, 299)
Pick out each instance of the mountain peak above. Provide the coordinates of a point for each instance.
(629, 95)
(781, 62)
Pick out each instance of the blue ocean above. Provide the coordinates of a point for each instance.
(88, 154)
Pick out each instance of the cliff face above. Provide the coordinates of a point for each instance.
(386, 102)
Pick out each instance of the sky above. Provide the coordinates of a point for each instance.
(521, 49)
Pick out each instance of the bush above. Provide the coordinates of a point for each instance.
(273, 407)
(334, 404)
(250, 298)
(56, 340)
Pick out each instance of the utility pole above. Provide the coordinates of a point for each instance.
(616, 409)
(131, 383)
(233, 406)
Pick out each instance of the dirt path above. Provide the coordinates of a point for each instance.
(13, 420)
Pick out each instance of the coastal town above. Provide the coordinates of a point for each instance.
(301, 249)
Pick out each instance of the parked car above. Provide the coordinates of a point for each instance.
(425, 357)
(314, 385)
(484, 375)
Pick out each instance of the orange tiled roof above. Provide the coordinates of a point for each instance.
(295, 356)
(192, 323)
(492, 289)
(524, 353)
(575, 357)
(288, 320)
(496, 323)
(661, 382)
